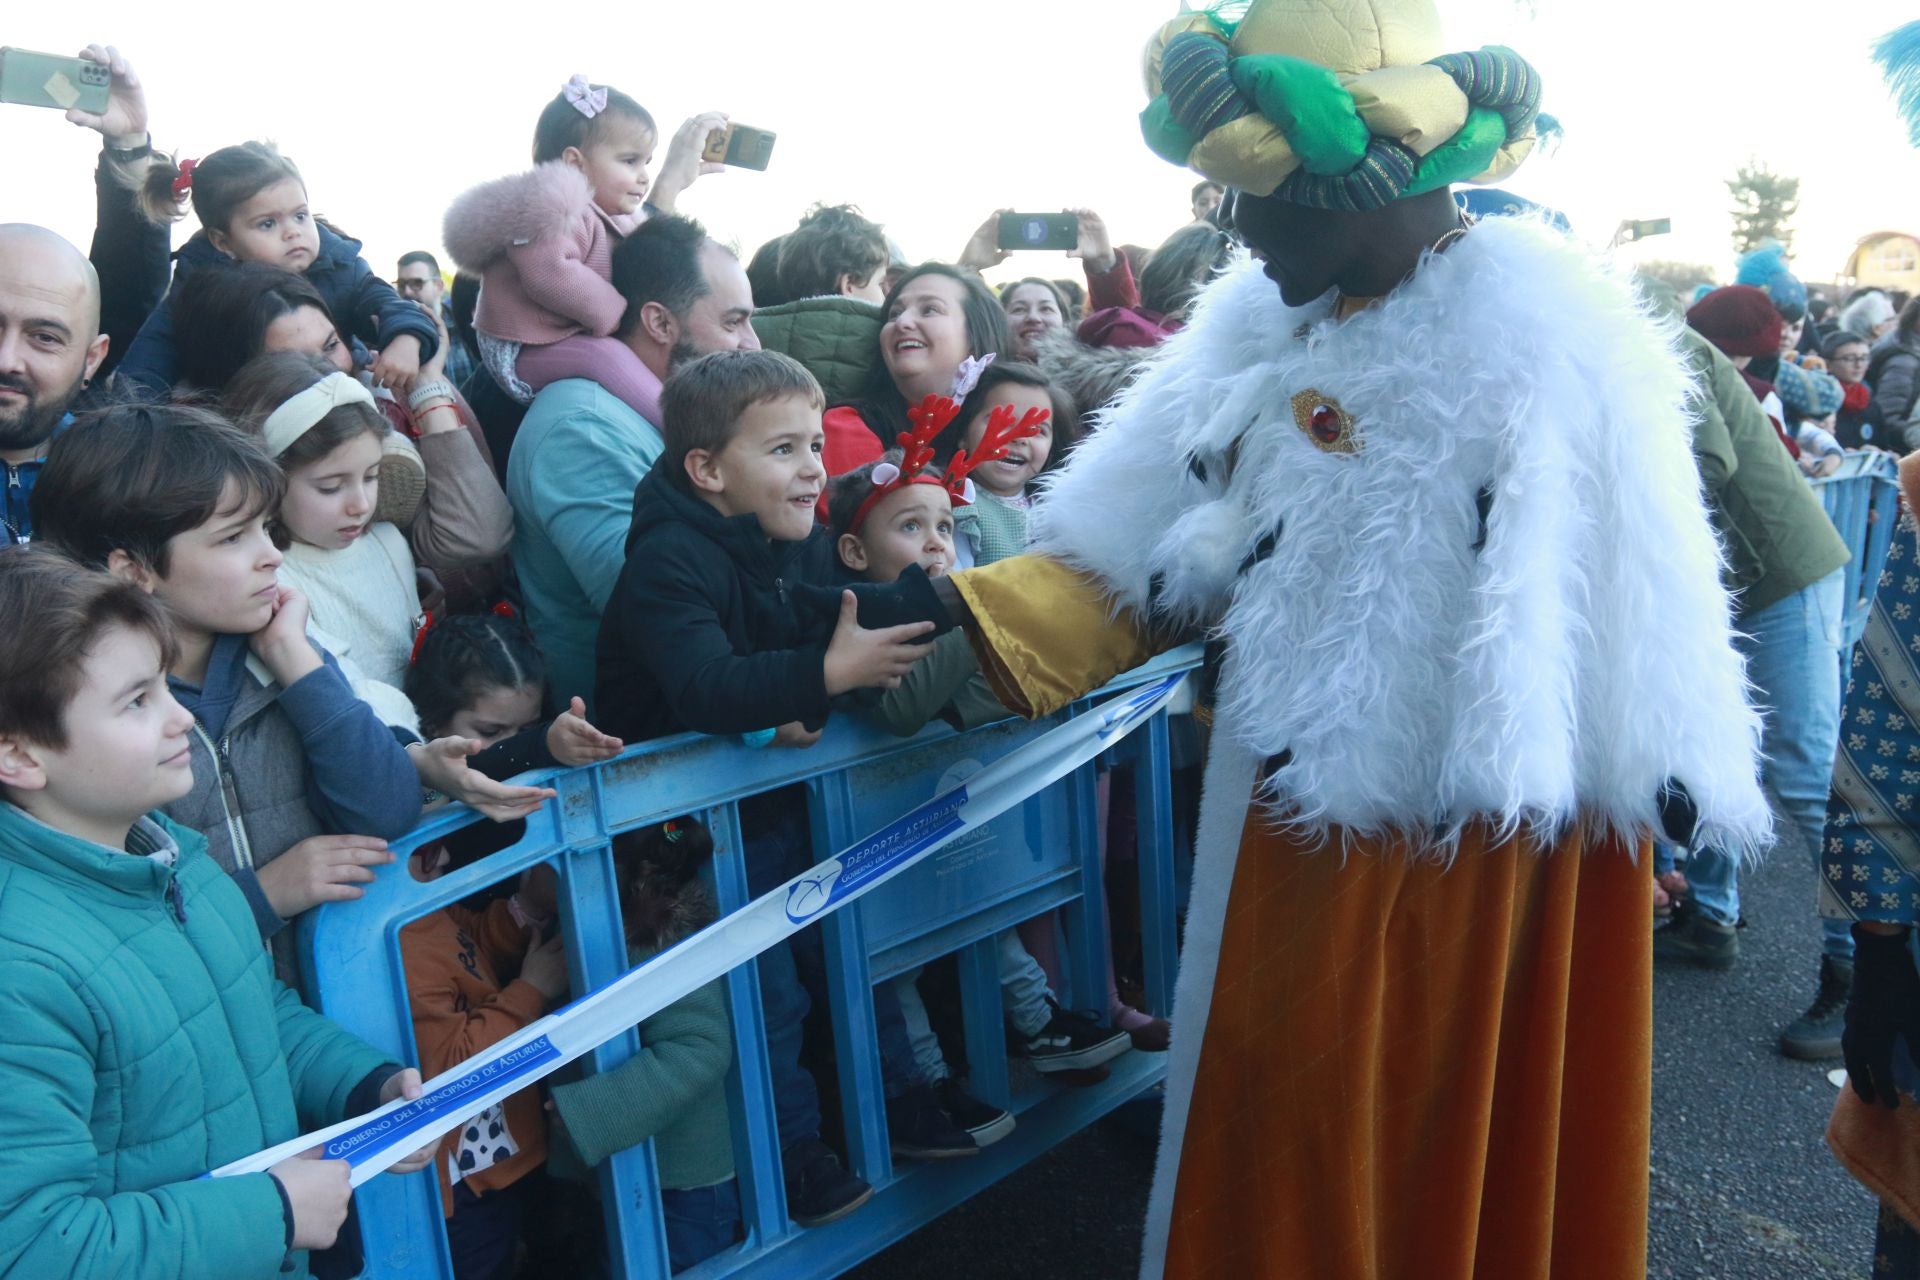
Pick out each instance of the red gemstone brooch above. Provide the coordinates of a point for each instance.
(1328, 425)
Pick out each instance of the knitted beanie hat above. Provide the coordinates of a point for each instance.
(1335, 104)
(1739, 319)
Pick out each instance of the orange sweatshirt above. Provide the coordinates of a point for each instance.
(452, 960)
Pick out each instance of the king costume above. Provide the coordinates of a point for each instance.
(1476, 653)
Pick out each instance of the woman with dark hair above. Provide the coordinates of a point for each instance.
(934, 317)
(224, 314)
(437, 482)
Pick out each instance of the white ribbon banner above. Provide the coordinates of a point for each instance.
(373, 1142)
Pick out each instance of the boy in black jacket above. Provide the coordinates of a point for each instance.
(703, 632)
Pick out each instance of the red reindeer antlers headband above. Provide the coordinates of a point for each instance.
(934, 415)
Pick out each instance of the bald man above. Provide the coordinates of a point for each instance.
(50, 349)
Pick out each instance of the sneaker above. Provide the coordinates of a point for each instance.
(1815, 1034)
(917, 1129)
(986, 1123)
(1070, 1042)
(1691, 938)
(819, 1189)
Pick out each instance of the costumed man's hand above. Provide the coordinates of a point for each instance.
(909, 598)
(1882, 1007)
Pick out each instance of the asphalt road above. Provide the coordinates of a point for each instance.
(1743, 1187)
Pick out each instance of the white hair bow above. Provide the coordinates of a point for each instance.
(586, 99)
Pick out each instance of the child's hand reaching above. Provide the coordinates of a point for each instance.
(861, 659)
(406, 1084)
(574, 742)
(282, 644)
(398, 365)
(321, 869)
(443, 766)
(545, 967)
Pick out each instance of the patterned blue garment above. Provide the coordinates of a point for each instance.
(1870, 862)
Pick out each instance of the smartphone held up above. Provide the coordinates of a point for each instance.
(740, 145)
(1055, 231)
(49, 80)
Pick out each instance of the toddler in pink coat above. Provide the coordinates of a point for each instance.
(542, 242)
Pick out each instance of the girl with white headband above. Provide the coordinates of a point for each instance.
(324, 430)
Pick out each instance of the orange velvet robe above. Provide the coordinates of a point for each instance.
(1408, 1069)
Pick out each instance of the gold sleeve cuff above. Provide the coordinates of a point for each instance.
(1047, 634)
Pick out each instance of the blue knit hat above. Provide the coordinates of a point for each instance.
(1766, 268)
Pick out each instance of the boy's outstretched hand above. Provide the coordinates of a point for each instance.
(861, 659)
(443, 766)
(574, 742)
(406, 1084)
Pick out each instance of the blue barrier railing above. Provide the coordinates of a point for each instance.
(1041, 857)
(1862, 499)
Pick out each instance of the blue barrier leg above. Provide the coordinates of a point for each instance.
(756, 1129)
(1153, 800)
(1086, 915)
(986, 1026)
(850, 997)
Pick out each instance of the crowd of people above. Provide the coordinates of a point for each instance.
(323, 544)
(306, 546)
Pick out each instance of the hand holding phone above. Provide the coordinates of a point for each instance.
(740, 145)
(1055, 231)
(48, 80)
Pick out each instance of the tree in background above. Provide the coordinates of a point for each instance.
(1764, 202)
(1682, 277)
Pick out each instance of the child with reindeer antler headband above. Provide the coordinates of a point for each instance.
(993, 525)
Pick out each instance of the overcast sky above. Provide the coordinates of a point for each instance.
(930, 115)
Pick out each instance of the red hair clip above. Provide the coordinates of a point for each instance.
(184, 183)
(503, 609)
(420, 636)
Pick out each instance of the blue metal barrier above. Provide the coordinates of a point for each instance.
(1040, 857)
(1862, 499)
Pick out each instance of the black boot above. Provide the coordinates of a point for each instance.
(1815, 1034)
(1691, 938)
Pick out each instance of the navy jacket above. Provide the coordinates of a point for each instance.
(364, 305)
(702, 630)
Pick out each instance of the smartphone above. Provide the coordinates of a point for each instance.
(740, 145)
(48, 80)
(1057, 231)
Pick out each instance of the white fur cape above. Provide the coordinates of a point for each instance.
(1560, 673)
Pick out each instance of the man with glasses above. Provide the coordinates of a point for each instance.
(419, 280)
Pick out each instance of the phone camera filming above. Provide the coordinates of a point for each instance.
(1035, 231)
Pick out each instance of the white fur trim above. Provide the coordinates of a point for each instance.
(1562, 673)
(1223, 815)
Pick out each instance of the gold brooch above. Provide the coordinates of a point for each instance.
(1328, 425)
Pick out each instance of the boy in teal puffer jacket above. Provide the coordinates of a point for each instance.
(146, 1039)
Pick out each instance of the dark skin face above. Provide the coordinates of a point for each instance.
(1309, 251)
